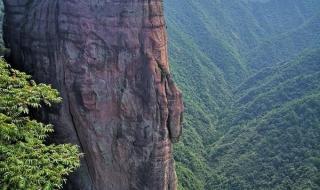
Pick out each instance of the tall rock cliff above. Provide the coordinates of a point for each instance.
(109, 60)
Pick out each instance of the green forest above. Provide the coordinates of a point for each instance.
(252, 103)
(249, 71)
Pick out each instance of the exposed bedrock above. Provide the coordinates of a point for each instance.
(109, 60)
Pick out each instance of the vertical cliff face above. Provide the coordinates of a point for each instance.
(109, 60)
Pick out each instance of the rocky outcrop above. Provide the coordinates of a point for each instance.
(109, 60)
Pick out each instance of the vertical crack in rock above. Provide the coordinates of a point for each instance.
(109, 60)
(75, 179)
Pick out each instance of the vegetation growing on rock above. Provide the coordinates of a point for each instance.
(26, 161)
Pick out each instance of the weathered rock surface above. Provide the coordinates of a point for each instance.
(109, 60)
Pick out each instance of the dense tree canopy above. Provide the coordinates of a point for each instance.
(241, 67)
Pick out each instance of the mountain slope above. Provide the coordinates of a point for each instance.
(274, 139)
(264, 92)
(278, 151)
(287, 45)
(218, 51)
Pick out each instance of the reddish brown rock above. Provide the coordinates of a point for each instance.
(109, 60)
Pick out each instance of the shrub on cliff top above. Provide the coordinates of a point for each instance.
(25, 161)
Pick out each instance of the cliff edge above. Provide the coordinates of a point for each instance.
(109, 60)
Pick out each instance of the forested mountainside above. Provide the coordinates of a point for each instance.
(249, 71)
(273, 139)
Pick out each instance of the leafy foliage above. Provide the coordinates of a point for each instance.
(25, 161)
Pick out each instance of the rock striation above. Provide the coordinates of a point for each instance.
(109, 60)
